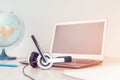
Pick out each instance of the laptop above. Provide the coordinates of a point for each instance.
(83, 40)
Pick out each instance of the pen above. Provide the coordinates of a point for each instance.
(8, 65)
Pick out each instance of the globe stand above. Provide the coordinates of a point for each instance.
(4, 56)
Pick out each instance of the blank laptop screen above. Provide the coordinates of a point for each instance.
(79, 38)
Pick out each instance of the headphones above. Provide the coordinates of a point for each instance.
(45, 60)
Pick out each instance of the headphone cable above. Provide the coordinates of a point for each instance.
(23, 70)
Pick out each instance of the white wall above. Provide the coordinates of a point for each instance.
(40, 17)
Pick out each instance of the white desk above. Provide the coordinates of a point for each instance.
(15, 73)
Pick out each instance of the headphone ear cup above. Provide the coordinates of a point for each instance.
(33, 59)
(42, 64)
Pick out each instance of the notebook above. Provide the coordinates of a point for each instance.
(83, 40)
(97, 73)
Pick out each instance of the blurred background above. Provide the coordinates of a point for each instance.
(40, 17)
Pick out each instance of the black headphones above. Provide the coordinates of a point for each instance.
(45, 60)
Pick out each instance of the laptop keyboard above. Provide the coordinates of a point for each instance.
(84, 61)
(78, 63)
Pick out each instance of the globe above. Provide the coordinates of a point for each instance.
(11, 32)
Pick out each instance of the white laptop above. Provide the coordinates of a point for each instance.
(83, 40)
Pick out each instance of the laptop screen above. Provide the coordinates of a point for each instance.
(79, 38)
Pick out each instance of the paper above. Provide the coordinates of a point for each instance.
(99, 73)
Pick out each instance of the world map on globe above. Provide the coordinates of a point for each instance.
(6, 32)
(11, 29)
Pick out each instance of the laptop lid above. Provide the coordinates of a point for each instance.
(80, 39)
